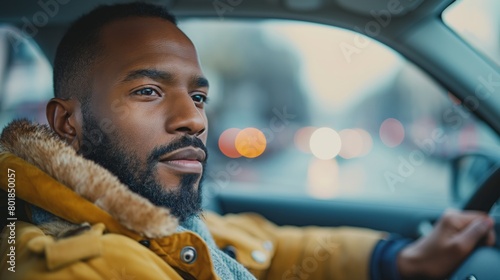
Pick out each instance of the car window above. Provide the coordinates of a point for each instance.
(25, 78)
(302, 109)
(482, 27)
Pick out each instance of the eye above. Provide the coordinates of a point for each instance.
(199, 98)
(146, 91)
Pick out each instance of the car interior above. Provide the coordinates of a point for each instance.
(413, 31)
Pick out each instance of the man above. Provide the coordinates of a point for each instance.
(112, 189)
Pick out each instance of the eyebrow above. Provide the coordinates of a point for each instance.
(199, 82)
(159, 75)
(152, 74)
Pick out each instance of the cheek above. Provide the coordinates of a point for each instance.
(138, 133)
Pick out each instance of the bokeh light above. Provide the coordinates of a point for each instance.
(325, 143)
(392, 132)
(302, 138)
(250, 142)
(367, 141)
(322, 177)
(227, 143)
(352, 143)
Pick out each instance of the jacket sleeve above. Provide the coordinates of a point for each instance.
(383, 262)
(287, 252)
(90, 255)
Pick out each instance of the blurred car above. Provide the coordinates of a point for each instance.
(377, 114)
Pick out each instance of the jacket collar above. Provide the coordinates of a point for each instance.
(39, 152)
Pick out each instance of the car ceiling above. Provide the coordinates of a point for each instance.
(346, 13)
(417, 32)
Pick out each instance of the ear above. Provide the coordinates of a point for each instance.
(64, 118)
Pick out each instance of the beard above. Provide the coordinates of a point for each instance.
(184, 202)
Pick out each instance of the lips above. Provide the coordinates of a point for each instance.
(186, 160)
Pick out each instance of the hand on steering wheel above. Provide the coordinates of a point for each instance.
(440, 253)
(455, 236)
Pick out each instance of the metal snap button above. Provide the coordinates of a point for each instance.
(188, 254)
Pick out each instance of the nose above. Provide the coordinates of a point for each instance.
(184, 116)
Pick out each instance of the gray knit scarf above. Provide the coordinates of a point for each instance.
(225, 266)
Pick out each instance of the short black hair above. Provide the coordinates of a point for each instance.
(80, 46)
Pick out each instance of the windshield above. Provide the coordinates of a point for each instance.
(298, 109)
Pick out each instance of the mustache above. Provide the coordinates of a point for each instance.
(183, 142)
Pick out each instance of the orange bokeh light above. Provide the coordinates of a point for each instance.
(227, 142)
(250, 142)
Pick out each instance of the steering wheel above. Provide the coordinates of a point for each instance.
(484, 262)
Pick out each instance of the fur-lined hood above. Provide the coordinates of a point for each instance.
(40, 146)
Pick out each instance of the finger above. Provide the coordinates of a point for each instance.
(473, 233)
(454, 220)
(491, 239)
(469, 215)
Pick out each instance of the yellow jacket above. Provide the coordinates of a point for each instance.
(126, 238)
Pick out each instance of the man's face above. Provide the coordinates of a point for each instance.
(145, 121)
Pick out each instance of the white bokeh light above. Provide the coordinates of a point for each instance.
(325, 143)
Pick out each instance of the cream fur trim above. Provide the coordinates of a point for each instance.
(40, 146)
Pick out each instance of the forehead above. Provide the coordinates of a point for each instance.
(134, 32)
(144, 42)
